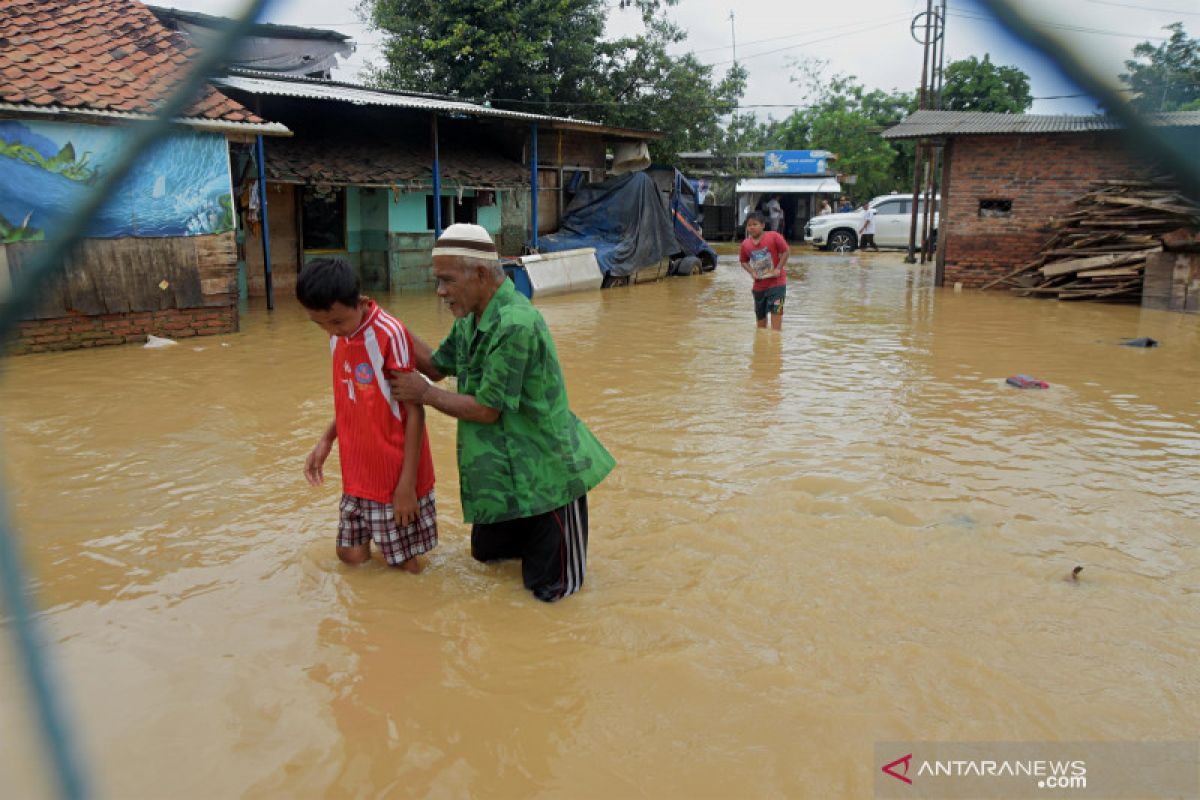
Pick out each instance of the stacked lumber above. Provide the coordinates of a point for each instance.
(1099, 249)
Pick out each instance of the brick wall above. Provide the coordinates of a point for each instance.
(211, 308)
(79, 330)
(1041, 174)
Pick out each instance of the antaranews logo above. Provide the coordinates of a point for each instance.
(1049, 774)
(957, 770)
(905, 760)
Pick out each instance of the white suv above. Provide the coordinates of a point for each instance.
(893, 216)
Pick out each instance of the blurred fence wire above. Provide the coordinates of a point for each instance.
(1156, 143)
(30, 643)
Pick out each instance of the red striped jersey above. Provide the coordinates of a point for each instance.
(370, 424)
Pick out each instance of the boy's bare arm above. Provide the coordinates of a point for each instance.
(314, 464)
(423, 356)
(404, 498)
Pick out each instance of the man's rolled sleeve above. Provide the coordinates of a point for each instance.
(444, 358)
(503, 376)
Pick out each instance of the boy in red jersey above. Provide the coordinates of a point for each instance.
(387, 471)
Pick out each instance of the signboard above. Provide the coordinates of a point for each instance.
(795, 162)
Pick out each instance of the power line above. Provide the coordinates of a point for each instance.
(1143, 8)
(790, 36)
(803, 44)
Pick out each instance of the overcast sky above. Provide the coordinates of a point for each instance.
(870, 39)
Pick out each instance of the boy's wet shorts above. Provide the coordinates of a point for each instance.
(364, 520)
(769, 301)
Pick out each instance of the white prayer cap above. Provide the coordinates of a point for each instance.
(469, 241)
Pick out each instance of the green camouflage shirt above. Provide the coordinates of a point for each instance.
(537, 456)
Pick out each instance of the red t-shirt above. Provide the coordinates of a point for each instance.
(370, 424)
(769, 244)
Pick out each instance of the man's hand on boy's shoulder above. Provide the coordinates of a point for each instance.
(407, 387)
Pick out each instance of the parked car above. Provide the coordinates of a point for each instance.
(893, 217)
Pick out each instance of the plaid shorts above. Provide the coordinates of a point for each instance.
(364, 520)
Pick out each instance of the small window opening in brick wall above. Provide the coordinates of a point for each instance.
(995, 208)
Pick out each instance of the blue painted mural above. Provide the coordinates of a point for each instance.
(178, 188)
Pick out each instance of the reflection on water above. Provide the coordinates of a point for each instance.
(846, 532)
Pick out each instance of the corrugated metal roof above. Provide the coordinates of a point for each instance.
(268, 29)
(315, 89)
(198, 123)
(977, 123)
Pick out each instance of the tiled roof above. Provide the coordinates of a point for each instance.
(357, 162)
(99, 55)
(975, 123)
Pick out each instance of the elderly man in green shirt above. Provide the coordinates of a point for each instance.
(525, 462)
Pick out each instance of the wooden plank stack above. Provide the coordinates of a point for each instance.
(1099, 250)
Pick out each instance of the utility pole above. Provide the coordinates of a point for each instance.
(923, 98)
(935, 152)
(733, 37)
(733, 122)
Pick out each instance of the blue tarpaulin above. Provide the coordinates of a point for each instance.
(623, 218)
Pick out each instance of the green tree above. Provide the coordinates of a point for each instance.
(842, 116)
(549, 56)
(507, 52)
(974, 85)
(1166, 77)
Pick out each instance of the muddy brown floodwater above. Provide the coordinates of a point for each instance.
(849, 532)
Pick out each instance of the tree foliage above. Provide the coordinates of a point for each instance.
(842, 116)
(549, 56)
(1166, 77)
(974, 85)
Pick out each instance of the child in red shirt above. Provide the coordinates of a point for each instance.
(764, 255)
(387, 470)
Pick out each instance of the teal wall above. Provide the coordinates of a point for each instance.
(407, 213)
(373, 237)
(489, 216)
(353, 223)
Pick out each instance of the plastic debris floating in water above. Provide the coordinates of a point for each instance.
(1026, 382)
(158, 341)
(1141, 341)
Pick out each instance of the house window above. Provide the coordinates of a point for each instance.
(323, 218)
(453, 210)
(995, 208)
(464, 210)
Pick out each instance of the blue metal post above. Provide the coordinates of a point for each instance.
(533, 186)
(266, 229)
(437, 185)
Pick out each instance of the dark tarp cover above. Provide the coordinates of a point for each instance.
(623, 218)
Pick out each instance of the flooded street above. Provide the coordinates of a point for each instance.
(849, 532)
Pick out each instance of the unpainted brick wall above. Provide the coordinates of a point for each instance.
(77, 331)
(1042, 174)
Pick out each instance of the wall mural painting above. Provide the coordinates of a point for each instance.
(178, 188)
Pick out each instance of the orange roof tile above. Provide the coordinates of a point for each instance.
(105, 55)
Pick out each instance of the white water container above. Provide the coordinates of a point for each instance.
(562, 272)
